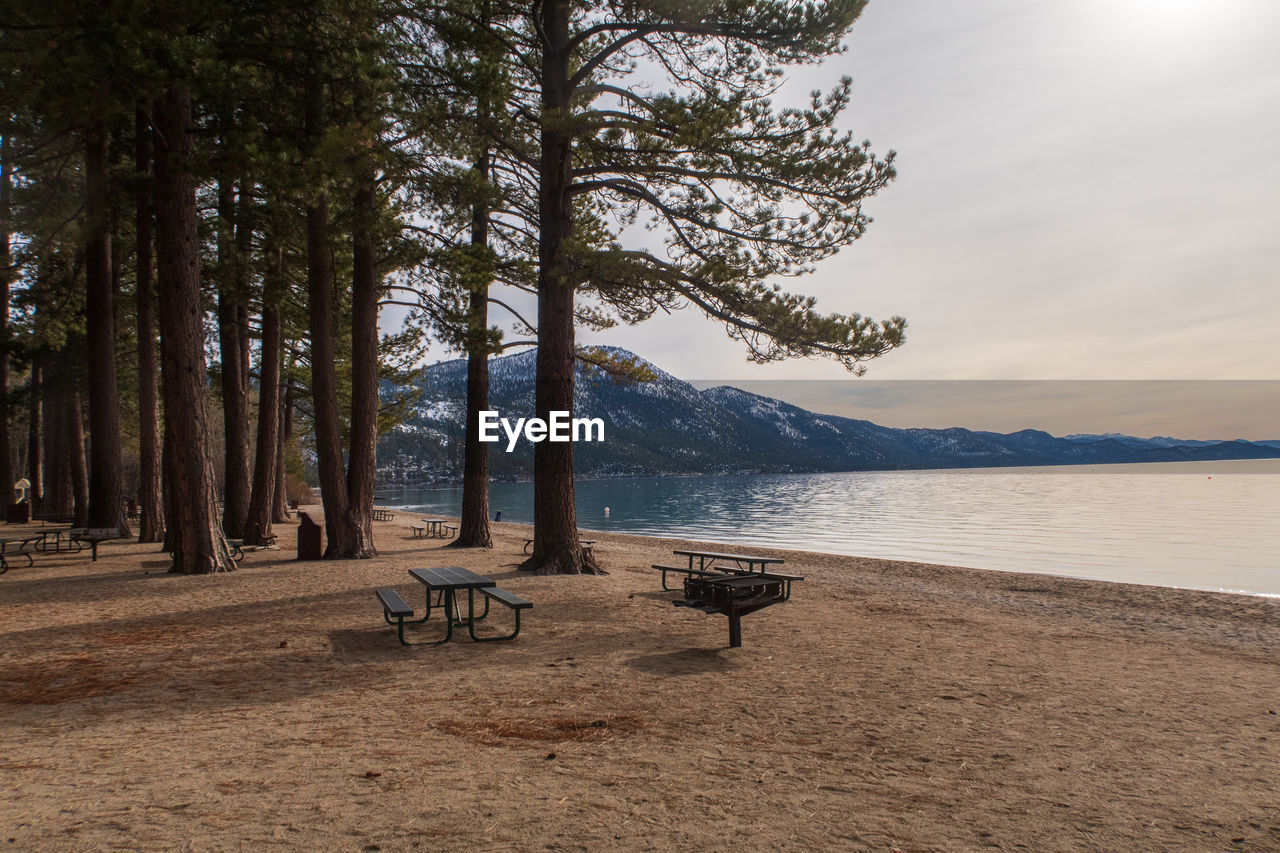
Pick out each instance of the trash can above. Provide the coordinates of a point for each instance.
(309, 535)
(19, 513)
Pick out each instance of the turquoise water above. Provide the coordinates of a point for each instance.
(1201, 525)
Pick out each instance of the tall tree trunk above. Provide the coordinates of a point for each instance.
(35, 438)
(6, 275)
(73, 425)
(363, 454)
(343, 539)
(280, 503)
(261, 503)
(198, 543)
(57, 471)
(106, 480)
(235, 398)
(149, 503)
(556, 549)
(473, 527)
(167, 479)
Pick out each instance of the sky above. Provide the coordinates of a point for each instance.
(1085, 192)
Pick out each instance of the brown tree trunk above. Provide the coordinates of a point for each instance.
(150, 513)
(235, 397)
(343, 539)
(473, 526)
(261, 501)
(198, 543)
(6, 275)
(106, 480)
(556, 549)
(35, 439)
(73, 426)
(280, 503)
(166, 491)
(363, 455)
(57, 471)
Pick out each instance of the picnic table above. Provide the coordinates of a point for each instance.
(95, 535)
(51, 539)
(433, 527)
(10, 548)
(710, 558)
(446, 582)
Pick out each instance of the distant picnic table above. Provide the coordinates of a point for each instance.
(10, 548)
(51, 539)
(440, 527)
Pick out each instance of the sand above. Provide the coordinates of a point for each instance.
(887, 706)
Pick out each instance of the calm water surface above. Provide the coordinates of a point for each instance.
(1210, 525)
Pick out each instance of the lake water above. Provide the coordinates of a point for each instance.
(1201, 525)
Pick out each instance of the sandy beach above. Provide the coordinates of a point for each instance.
(887, 706)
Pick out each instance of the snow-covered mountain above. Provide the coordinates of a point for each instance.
(667, 426)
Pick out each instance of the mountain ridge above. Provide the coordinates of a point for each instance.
(669, 427)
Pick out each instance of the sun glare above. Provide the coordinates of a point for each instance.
(1170, 16)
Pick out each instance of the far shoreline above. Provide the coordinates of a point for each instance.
(1109, 468)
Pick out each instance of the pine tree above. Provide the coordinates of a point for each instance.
(744, 192)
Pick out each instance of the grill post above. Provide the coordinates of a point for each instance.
(735, 629)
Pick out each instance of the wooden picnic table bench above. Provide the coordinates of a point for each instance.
(10, 548)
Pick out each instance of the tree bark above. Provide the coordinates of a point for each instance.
(280, 503)
(6, 275)
(235, 398)
(35, 439)
(556, 549)
(363, 455)
(473, 526)
(58, 499)
(150, 513)
(198, 543)
(106, 481)
(166, 491)
(73, 424)
(343, 539)
(261, 501)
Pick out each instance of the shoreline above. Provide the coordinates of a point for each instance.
(887, 705)
(1191, 531)
(1046, 468)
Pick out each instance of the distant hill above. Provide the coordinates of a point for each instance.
(669, 427)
